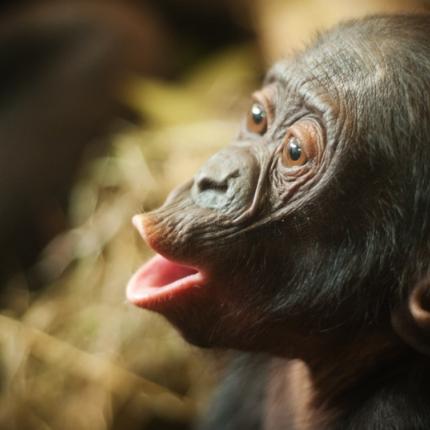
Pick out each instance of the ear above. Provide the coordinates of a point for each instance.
(411, 321)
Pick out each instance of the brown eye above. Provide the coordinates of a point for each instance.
(302, 143)
(293, 153)
(257, 119)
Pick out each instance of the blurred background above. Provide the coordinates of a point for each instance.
(104, 107)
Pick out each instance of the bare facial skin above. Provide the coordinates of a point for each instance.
(308, 239)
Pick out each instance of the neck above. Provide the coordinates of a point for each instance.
(340, 369)
(328, 381)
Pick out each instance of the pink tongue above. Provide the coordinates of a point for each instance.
(159, 271)
(159, 280)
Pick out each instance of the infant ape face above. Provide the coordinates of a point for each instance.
(308, 220)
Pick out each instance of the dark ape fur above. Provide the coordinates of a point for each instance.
(323, 265)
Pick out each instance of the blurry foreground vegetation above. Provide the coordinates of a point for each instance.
(78, 356)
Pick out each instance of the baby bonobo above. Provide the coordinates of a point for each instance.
(307, 240)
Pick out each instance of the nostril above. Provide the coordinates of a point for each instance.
(205, 183)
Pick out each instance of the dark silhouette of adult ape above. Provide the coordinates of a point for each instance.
(308, 240)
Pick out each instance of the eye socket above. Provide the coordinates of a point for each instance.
(302, 143)
(257, 119)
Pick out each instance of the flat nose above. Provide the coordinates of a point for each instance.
(227, 181)
(216, 178)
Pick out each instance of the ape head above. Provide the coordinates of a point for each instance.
(316, 219)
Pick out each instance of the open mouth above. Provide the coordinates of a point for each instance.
(160, 280)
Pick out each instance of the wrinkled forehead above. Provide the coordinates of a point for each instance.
(338, 76)
(335, 70)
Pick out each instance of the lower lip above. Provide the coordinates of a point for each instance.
(159, 281)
